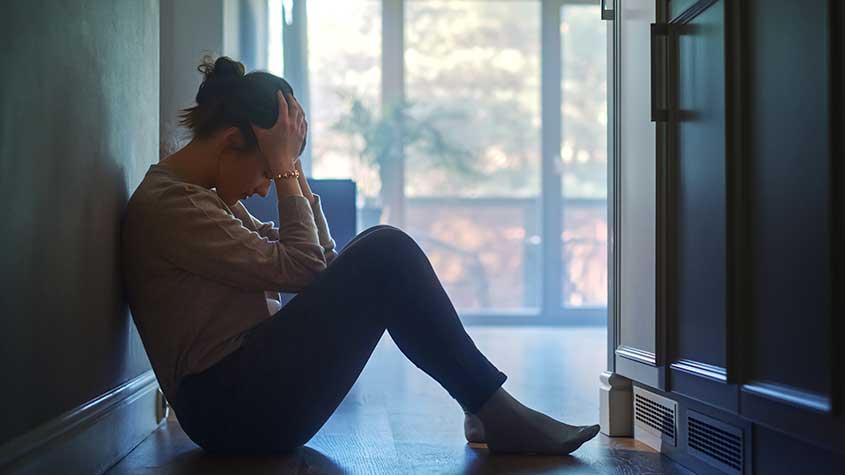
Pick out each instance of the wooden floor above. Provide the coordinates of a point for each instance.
(397, 420)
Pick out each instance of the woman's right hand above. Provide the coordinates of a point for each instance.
(281, 143)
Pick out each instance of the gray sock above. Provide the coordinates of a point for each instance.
(511, 427)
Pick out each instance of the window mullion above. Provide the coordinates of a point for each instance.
(393, 89)
(551, 186)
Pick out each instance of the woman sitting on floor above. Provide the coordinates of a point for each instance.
(198, 267)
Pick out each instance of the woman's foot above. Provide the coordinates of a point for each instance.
(508, 426)
(473, 429)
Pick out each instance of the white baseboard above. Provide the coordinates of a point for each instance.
(92, 437)
(615, 405)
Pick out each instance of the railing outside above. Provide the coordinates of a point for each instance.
(486, 251)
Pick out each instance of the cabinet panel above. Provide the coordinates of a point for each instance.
(790, 194)
(696, 257)
(636, 179)
(700, 188)
(793, 379)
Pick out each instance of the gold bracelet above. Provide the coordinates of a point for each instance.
(288, 174)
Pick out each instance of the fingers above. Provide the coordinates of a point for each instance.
(298, 117)
(287, 115)
(283, 109)
(296, 110)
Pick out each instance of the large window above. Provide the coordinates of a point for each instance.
(479, 229)
(344, 61)
(475, 77)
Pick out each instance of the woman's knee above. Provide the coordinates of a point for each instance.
(382, 249)
(364, 234)
(376, 227)
(389, 240)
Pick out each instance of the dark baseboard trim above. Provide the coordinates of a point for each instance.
(90, 438)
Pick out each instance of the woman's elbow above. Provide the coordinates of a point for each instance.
(312, 268)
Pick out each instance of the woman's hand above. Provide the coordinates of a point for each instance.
(281, 143)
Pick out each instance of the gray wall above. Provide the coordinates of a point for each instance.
(190, 29)
(79, 110)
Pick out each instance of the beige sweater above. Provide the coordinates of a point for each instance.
(197, 273)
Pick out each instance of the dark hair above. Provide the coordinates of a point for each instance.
(229, 98)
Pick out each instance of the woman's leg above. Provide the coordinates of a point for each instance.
(499, 419)
(297, 366)
(364, 233)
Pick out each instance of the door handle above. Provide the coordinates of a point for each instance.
(659, 62)
(607, 14)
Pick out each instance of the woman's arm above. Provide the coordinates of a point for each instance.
(270, 231)
(319, 219)
(303, 183)
(196, 233)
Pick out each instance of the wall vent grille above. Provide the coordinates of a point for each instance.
(715, 442)
(656, 415)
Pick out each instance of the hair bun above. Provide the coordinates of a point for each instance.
(218, 72)
(223, 68)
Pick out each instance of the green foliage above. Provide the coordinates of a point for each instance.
(401, 127)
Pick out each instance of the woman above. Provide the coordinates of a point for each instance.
(199, 267)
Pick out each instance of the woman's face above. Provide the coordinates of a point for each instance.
(241, 174)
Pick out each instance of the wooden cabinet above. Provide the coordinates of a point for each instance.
(728, 151)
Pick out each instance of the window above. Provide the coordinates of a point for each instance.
(479, 229)
(344, 62)
(583, 154)
(476, 75)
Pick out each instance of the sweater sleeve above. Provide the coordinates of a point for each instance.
(269, 230)
(326, 240)
(197, 232)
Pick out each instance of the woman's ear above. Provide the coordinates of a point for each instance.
(233, 139)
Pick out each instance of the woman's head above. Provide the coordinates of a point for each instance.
(227, 104)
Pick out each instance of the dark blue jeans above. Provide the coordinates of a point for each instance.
(293, 369)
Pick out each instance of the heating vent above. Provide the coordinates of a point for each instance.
(715, 442)
(655, 418)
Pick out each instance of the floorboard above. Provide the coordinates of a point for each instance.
(397, 420)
